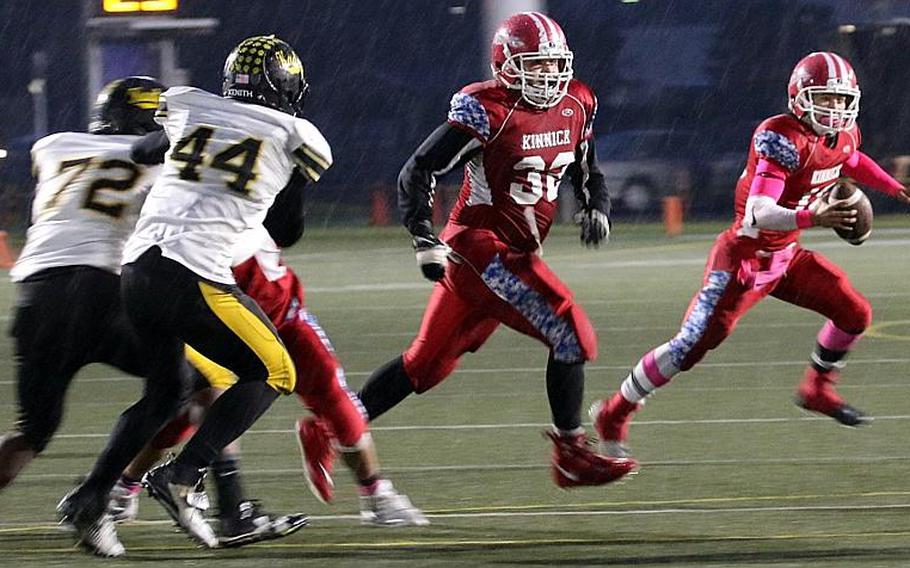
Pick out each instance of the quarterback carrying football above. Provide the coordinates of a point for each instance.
(795, 160)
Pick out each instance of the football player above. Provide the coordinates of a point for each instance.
(794, 160)
(321, 386)
(69, 311)
(516, 136)
(231, 162)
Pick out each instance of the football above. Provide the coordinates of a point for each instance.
(850, 194)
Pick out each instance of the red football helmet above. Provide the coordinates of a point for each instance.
(523, 43)
(824, 72)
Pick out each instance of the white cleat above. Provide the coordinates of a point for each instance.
(387, 508)
(100, 538)
(183, 503)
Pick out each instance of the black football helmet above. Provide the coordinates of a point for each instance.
(265, 70)
(126, 106)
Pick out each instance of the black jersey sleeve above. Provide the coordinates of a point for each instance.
(150, 149)
(587, 179)
(445, 148)
(285, 218)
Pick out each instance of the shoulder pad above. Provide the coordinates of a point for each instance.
(777, 142)
(47, 141)
(312, 153)
(466, 110)
(583, 94)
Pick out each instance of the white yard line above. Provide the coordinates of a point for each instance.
(555, 512)
(524, 425)
(500, 370)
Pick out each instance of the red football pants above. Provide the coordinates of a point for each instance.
(321, 381)
(489, 285)
(810, 281)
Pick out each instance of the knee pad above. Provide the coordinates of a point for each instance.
(427, 372)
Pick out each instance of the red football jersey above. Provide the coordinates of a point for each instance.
(813, 162)
(510, 187)
(262, 276)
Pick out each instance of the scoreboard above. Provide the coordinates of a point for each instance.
(138, 6)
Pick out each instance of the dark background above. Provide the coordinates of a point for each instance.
(382, 73)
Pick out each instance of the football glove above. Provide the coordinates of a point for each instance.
(595, 227)
(432, 255)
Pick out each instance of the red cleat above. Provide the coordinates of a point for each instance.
(817, 394)
(575, 464)
(611, 421)
(318, 452)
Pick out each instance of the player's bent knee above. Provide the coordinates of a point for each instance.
(859, 319)
(282, 374)
(426, 373)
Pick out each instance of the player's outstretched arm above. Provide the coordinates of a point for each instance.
(866, 171)
(591, 191)
(150, 149)
(285, 219)
(445, 148)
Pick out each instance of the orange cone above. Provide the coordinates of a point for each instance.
(379, 210)
(7, 259)
(673, 216)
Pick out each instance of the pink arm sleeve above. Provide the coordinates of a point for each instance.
(767, 187)
(769, 179)
(863, 169)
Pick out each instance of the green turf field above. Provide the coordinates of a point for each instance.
(733, 473)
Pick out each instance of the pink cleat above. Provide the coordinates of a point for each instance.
(318, 452)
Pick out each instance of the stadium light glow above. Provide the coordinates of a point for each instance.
(3, 153)
(847, 29)
(126, 6)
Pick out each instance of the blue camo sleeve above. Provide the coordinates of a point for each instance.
(775, 146)
(466, 110)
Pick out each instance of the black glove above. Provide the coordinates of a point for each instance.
(431, 253)
(595, 227)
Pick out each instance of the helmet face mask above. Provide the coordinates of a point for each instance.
(825, 119)
(265, 70)
(530, 55)
(815, 76)
(126, 106)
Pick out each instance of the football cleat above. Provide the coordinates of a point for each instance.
(575, 464)
(182, 502)
(385, 507)
(817, 394)
(612, 418)
(318, 452)
(95, 531)
(123, 505)
(248, 524)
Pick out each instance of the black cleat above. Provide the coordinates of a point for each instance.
(845, 414)
(186, 505)
(248, 524)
